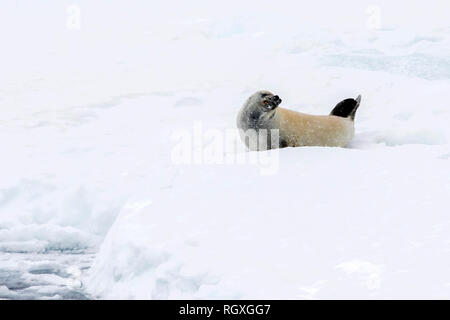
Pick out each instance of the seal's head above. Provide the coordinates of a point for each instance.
(258, 110)
(264, 100)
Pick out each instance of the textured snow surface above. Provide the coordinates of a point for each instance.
(87, 118)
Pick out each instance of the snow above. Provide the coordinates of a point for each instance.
(91, 116)
(364, 231)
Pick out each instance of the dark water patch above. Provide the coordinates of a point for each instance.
(56, 275)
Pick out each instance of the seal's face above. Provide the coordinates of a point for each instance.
(258, 110)
(267, 100)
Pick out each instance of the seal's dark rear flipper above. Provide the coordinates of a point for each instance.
(347, 108)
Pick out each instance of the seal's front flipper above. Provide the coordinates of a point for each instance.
(346, 108)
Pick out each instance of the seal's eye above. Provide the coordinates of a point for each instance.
(264, 95)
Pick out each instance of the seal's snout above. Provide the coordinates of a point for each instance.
(276, 100)
(269, 100)
(272, 102)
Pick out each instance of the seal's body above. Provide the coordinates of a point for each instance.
(263, 125)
